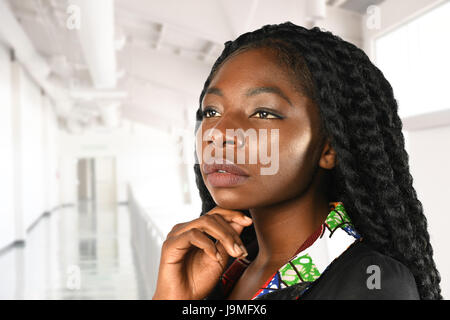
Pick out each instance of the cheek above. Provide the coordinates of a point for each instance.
(294, 150)
(297, 151)
(296, 166)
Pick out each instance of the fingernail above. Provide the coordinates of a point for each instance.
(238, 249)
(248, 219)
(245, 252)
(245, 260)
(218, 256)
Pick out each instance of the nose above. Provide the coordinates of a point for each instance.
(224, 137)
(218, 138)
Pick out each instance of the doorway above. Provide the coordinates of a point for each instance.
(97, 181)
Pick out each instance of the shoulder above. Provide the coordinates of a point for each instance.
(363, 273)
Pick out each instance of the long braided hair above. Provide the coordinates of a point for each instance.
(359, 116)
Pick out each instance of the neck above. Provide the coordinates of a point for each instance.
(283, 227)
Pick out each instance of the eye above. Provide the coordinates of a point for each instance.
(210, 113)
(263, 114)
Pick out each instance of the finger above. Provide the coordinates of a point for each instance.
(237, 227)
(227, 226)
(237, 219)
(222, 251)
(232, 216)
(175, 229)
(178, 246)
(224, 234)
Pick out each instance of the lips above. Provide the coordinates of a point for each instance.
(224, 174)
(226, 167)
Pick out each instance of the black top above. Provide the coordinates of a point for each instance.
(359, 273)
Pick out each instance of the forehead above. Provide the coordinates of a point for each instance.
(259, 66)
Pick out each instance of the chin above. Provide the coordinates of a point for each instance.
(231, 200)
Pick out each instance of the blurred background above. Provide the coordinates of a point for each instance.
(97, 115)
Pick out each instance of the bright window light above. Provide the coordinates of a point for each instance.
(415, 58)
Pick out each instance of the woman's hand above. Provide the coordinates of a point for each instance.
(191, 263)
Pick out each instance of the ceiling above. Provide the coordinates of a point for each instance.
(164, 51)
(359, 6)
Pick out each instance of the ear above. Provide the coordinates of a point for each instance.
(328, 156)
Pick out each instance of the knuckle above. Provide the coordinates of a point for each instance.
(194, 233)
(213, 217)
(229, 237)
(208, 217)
(217, 216)
(165, 245)
(175, 228)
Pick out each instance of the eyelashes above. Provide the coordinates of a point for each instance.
(262, 112)
(267, 115)
(207, 112)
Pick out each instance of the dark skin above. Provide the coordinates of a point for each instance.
(291, 202)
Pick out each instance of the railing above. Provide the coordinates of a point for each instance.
(149, 227)
(146, 239)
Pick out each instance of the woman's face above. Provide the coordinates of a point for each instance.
(234, 101)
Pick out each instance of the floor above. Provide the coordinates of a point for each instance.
(78, 252)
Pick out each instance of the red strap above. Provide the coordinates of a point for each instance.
(311, 239)
(232, 274)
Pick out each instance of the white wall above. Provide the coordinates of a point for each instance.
(6, 151)
(28, 151)
(32, 149)
(51, 170)
(68, 180)
(431, 172)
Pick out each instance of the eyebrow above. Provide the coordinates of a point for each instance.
(253, 91)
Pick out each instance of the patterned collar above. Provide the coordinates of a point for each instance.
(312, 258)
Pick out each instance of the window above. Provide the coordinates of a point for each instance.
(415, 58)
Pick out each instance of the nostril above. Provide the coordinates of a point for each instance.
(218, 139)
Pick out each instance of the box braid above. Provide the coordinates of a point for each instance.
(359, 115)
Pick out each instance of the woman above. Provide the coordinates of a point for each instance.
(340, 219)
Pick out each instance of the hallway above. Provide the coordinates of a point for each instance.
(73, 253)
